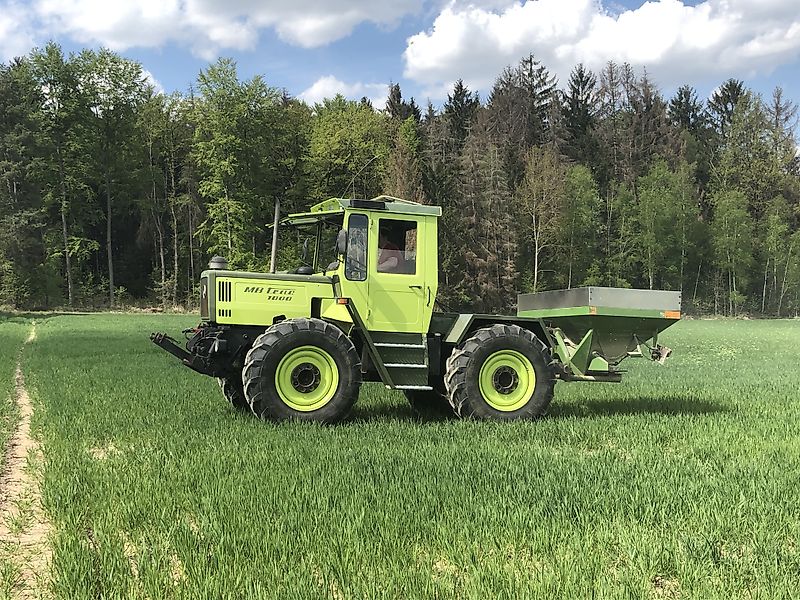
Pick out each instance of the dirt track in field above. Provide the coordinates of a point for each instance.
(24, 528)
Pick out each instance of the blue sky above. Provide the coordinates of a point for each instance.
(315, 48)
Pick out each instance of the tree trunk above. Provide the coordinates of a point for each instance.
(571, 250)
(191, 247)
(683, 261)
(785, 276)
(535, 264)
(174, 253)
(697, 282)
(162, 262)
(174, 223)
(609, 208)
(108, 240)
(64, 232)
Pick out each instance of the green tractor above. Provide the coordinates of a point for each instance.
(299, 344)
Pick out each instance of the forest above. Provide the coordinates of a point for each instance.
(115, 195)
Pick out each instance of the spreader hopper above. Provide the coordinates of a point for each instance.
(595, 328)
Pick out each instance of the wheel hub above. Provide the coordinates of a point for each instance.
(505, 380)
(305, 378)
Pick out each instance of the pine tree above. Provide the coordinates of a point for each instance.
(522, 107)
(398, 109)
(403, 170)
(783, 120)
(459, 110)
(395, 107)
(580, 111)
(686, 111)
(723, 102)
(486, 226)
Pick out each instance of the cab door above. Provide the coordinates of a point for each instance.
(398, 294)
(354, 266)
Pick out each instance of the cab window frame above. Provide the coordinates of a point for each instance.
(409, 225)
(361, 269)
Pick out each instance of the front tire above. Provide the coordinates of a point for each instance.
(302, 369)
(233, 390)
(502, 372)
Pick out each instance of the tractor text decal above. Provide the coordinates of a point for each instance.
(280, 294)
(272, 293)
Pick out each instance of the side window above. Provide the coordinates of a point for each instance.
(397, 246)
(355, 265)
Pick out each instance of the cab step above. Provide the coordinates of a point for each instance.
(392, 345)
(404, 357)
(422, 388)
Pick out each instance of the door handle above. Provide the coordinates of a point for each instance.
(415, 287)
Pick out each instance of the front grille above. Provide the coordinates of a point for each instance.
(224, 291)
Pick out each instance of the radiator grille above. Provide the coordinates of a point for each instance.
(224, 291)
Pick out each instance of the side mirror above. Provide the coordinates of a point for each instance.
(341, 243)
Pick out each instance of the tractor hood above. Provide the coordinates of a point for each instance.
(240, 297)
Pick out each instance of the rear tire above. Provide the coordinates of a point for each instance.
(502, 372)
(233, 390)
(302, 369)
(430, 404)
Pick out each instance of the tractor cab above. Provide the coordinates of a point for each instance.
(381, 254)
(389, 265)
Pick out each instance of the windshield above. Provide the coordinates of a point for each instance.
(327, 251)
(311, 244)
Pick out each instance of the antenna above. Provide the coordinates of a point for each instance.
(366, 164)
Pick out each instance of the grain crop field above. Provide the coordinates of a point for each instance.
(681, 482)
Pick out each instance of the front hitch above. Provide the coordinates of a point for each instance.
(194, 362)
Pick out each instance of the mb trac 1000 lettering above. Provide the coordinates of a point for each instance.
(299, 344)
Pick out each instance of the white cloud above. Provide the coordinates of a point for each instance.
(207, 26)
(16, 36)
(329, 86)
(150, 79)
(676, 42)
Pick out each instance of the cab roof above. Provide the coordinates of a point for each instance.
(388, 204)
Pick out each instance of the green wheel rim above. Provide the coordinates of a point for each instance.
(306, 378)
(507, 380)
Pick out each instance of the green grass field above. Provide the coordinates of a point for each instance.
(681, 482)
